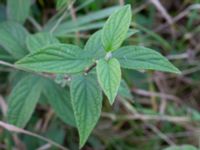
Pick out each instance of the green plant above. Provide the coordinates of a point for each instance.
(88, 71)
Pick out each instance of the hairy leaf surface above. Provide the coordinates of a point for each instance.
(18, 10)
(59, 99)
(12, 39)
(94, 46)
(87, 102)
(23, 100)
(116, 28)
(138, 57)
(109, 77)
(58, 58)
(40, 40)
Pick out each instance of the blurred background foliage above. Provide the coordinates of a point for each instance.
(154, 110)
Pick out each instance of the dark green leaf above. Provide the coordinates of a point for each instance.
(39, 41)
(18, 10)
(94, 46)
(87, 102)
(58, 58)
(2, 13)
(23, 100)
(59, 99)
(4, 55)
(12, 39)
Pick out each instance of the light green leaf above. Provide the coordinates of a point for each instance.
(138, 57)
(12, 39)
(94, 47)
(116, 28)
(87, 102)
(59, 99)
(40, 40)
(109, 77)
(18, 10)
(182, 147)
(23, 100)
(58, 58)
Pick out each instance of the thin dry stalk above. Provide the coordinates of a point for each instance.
(15, 129)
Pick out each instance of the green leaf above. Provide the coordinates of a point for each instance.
(155, 36)
(124, 90)
(5, 55)
(2, 13)
(182, 147)
(85, 22)
(18, 10)
(12, 39)
(94, 46)
(109, 77)
(58, 58)
(87, 102)
(40, 40)
(116, 28)
(59, 99)
(61, 3)
(138, 57)
(23, 100)
(131, 32)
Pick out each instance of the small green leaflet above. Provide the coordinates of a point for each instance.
(23, 100)
(40, 40)
(116, 28)
(138, 57)
(12, 39)
(58, 58)
(94, 47)
(18, 10)
(87, 102)
(109, 77)
(59, 99)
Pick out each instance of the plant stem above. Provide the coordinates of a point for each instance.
(90, 68)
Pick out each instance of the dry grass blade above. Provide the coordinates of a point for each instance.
(3, 105)
(162, 11)
(142, 117)
(15, 129)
